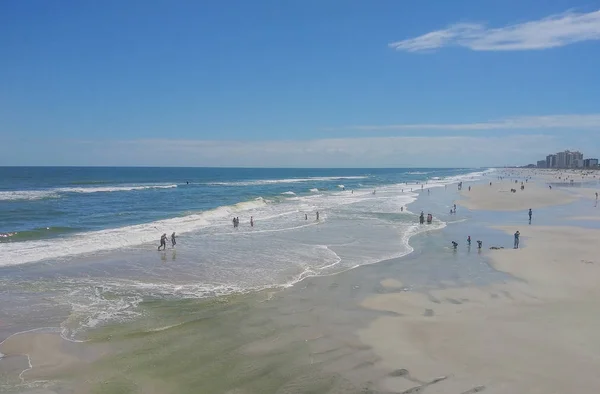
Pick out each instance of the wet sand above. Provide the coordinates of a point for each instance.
(534, 333)
(436, 321)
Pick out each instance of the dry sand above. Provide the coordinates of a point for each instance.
(536, 334)
(499, 198)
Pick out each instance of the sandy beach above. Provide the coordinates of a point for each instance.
(435, 321)
(498, 196)
(535, 333)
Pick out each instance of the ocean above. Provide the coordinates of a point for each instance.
(79, 245)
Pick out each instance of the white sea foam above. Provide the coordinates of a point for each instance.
(418, 173)
(27, 195)
(16, 195)
(288, 180)
(314, 190)
(269, 218)
(288, 193)
(109, 189)
(111, 239)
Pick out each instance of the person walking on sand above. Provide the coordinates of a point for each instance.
(530, 214)
(517, 235)
(173, 242)
(251, 221)
(317, 215)
(163, 242)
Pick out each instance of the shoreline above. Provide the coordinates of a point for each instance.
(505, 337)
(270, 295)
(392, 326)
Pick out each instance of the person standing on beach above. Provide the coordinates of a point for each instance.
(163, 242)
(422, 218)
(173, 242)
(469, 240)
(305, 216)
(317, 215)
(517, 235)
(530, 214)
(251, 221)
(479, 244)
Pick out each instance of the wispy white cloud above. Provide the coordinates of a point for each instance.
(553, 31)
(591, 121)
(400, 151)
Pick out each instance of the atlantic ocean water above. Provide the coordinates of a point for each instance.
(78, 246)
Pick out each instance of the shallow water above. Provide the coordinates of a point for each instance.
(297, 340)
(83, 284)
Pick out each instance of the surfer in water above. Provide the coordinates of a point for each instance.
(163, 242)
(173, 242)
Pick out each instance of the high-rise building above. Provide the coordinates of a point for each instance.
(541, 164)
(589, 163)
(551, 161)
(561, 159)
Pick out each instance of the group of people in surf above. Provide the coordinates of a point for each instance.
(163, 241)
(479, 243)
(517, 237)
(422, 218)
(236, 222)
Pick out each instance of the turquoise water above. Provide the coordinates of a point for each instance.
(82, 242)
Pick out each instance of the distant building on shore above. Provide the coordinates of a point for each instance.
(565, 159)
(590, 163)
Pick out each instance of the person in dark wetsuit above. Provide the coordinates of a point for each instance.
(422, 218)
(173, 242)
(479, 244)
(530, 214)
(163, 242)
(454, 244)
(251, 221)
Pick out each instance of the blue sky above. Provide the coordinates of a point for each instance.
(297, 83)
